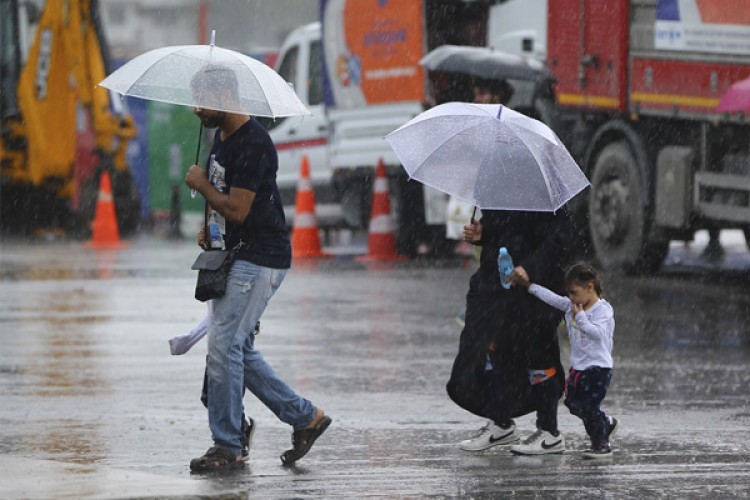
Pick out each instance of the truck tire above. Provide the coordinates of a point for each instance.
(618, 213)
(127, 201)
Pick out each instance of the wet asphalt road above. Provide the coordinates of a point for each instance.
(94, 406)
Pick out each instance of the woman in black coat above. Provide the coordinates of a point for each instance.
(514, 333)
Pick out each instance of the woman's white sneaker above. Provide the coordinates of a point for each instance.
(540, 443)
(491, 435)
(612, 426)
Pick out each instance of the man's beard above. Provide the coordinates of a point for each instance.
(213, 121)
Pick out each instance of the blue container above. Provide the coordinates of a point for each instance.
(504, 266)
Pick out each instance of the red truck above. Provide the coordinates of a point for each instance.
(638, 84)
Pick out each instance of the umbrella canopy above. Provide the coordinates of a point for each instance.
(207, 76)
(736, 99)
(488, 155)
(483, 62)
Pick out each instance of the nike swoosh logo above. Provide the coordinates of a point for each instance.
(494, 439)
(548, 446)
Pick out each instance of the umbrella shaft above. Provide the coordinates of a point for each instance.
(193, 192)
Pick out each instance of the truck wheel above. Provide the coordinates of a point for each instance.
(127, 202)
(618, 214)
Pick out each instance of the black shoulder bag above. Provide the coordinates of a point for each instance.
(213, 269)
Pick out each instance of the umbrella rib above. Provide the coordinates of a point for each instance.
(440, 145)
(544, 174)
(558, 197)
(152, 68)
(261, 87)
(534, 154)
(415, 174)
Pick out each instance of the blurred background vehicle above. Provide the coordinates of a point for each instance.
(634, 96)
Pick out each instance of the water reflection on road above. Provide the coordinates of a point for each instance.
(86, 376)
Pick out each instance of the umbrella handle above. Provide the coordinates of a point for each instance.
(473, 214)
(193, 192)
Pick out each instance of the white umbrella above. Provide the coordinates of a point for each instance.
(488, 155)
(168, 75)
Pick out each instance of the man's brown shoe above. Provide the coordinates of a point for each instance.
(303, 440)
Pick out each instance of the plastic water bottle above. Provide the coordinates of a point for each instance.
(214, 232)
(504, 266)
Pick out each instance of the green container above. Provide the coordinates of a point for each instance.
(172, 142)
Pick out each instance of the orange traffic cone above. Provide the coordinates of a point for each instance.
(381, 242)
(305, 231)
(104, 232)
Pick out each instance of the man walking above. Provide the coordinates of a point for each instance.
(245, 205)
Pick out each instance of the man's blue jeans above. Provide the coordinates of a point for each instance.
(233, 360)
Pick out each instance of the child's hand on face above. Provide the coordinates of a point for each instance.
(577, 308)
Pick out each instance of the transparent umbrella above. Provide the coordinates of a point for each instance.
(488, 155)
(169, 74)
(209, 77)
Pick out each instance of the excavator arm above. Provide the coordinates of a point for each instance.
(56, 92)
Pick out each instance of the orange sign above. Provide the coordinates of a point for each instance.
(725, 11)
(385, 41)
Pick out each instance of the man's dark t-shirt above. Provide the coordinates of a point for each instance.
(248, 160)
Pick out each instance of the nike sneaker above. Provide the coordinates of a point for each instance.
(598, 452)
(540, 443)
(491, 435)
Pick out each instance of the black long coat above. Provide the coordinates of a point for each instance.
(523, 328)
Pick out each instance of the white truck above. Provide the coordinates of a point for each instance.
(358, 71)
(299, 62)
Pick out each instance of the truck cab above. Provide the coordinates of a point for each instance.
(299, 62)
(359, 73)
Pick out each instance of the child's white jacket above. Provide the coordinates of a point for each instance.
(591, 332)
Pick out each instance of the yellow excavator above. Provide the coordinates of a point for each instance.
(59, 131)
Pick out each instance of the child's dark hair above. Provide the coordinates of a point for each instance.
(582, 273)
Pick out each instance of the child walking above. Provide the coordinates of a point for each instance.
(591, 325)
